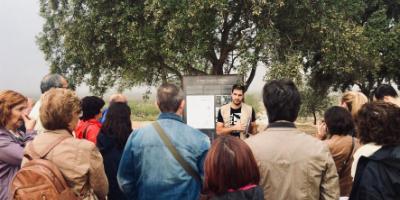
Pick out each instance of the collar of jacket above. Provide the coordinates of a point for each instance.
(389, 155)
(281, 124)
(172, 116)
(93, 121)
(58, 132)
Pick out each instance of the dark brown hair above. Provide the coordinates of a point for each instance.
(238, 87)
(8, 100)
(118, 123)
(379, 122)
(229, 164)
(339, 121)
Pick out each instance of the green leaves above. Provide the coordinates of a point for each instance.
(125, 43)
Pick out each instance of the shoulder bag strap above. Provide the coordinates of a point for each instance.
(175, 152)
(348, 157)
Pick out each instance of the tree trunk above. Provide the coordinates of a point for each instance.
(251, 77)
(218, 68)
(315, 117)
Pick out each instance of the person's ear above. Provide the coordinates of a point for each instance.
(156, 103)
(182, 105)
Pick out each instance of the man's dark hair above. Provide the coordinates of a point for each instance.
(384, 90)
(91, 106)
(169, 97)
(339, 121)
(281, 100)
(238, 87)
(379, 122)
(51, 81)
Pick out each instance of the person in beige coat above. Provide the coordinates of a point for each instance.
(293, 165)
(79, 161)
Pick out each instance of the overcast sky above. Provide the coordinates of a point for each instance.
(22, 64)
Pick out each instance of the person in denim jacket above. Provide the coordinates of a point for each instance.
(148, 169)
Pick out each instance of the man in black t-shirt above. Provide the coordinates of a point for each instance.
(236, 118)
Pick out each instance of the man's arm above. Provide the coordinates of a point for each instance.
(329, 189)
(125, 175)
(221, 130)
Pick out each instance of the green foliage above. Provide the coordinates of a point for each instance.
(314, 103)
(127, 43)
(341, 43)
(255, 101)
(322, 44)
(143, 110)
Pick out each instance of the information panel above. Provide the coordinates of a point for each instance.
(200, 111)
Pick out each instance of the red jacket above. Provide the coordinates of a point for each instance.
(92, 128)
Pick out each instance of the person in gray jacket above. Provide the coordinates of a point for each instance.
(293, 165)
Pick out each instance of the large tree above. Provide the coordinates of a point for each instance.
(335, 44)
(341, 43)
(125, 43)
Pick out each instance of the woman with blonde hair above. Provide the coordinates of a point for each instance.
(79, 161)
(12, 140)
(353, 101)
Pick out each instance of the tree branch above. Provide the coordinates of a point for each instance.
(251, 76)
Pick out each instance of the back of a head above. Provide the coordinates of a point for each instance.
(379, 122)
(118, 98)
(57, 108)
(118, 123)
(51, 81)
(384, 90)
(229, 164)
(281, 100)
(8, 100)
(339, 121)
(91, 106)
(354, 101)
(169, 97)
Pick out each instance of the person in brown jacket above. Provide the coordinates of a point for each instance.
(79, 161)
(293, 165)
(338, 128)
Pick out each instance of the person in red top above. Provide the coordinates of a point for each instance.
(89, 126)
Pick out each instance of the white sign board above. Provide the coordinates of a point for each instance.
(200, 111)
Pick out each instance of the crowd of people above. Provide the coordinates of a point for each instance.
(96, 154)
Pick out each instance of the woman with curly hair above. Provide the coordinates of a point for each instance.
(377, 163)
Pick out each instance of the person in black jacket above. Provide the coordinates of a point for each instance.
(111, 142)
(378, 175)
(231, 172)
